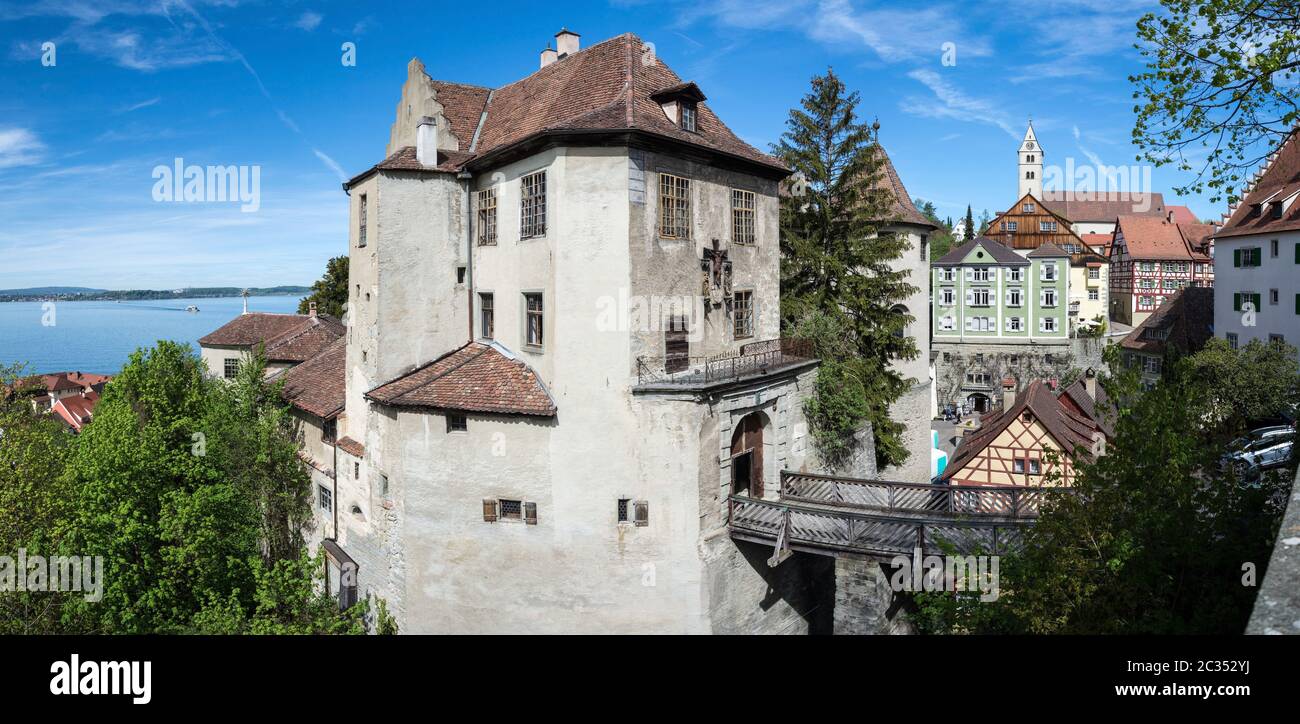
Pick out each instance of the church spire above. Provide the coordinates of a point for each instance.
(1030, 164)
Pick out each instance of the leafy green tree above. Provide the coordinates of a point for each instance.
(330, 292)
(836, 253)
(1220, 88)
(1159, 534)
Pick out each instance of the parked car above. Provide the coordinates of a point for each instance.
(1262, 434)
(1261, 456)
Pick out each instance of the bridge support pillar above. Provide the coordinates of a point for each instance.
(864, 602)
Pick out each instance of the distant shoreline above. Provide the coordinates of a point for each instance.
(133, 295)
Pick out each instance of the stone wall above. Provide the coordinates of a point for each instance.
(864, 602)
(1023, 362)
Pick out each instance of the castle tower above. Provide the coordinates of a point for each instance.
(1030, 158)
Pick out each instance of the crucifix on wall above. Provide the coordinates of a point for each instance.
(717, 274)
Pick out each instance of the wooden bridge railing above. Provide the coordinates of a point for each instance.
(866, 532)
(1002, 502)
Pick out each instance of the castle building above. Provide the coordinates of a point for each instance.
(563, 363)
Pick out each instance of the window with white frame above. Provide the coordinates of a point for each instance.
(946, 323)
(1049, 297)
(981, 274)
(1047, 226)
(1094, 295)
(948, 274)
(1049, 271)
(1015, 274)
(947, 296)
(1094, 272)
(1047, 324)
(979, 297)
(533, 319)
(1015, 324)
(1015, 297)
(487, 217)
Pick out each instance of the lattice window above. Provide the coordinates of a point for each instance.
(743, 311)
(511, 509)
(532, 205)
(623, 506)
(326, 498)
(689, 116)
(742, 217)
(487, 217)
(674, 207)
(231, 369)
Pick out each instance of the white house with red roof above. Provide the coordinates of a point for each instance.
(1151, 259)
(1258, 259)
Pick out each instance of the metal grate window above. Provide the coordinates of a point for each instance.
(231, 369)
(743, 310)
(487, 217)
(674, 207)
(512, 509)
(361, 218)
(742, 217)
(533, 321)
(532, 205)
(623, 505)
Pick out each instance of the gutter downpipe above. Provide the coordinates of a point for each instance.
(466, 177)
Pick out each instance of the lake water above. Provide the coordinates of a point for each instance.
(100, 336)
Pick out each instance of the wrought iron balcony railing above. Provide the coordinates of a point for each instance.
(753, 359)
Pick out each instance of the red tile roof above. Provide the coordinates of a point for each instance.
(305, 340)
(1182, 215)
(287, 337)
(605, 87)
(902, 208)
(476, 378)
(1100, 410)
(1103, 206)
(1279, 181)
(247, 330)
(1068, 428)
(1185, 321)
(76, 410)
(351, 447)
(1149, 237)
(318, 386)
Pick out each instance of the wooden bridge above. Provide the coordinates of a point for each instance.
(825, 514)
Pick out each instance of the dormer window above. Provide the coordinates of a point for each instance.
(680, 104)
(688, 116)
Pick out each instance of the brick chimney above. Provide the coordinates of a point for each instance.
(1090, 382)
(549, 56)
(566, 42)
(426, 141)
(311, 310)
(1008, 392)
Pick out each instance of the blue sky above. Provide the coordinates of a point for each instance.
(139, 83)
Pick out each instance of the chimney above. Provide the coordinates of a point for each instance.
(1090, 382)
(566, 42)
(1008, 392)
(549, 56)
(1170, 216)
(426, 141)
(311, 307)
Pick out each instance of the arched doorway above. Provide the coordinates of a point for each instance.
(979, 402)
(747, 456)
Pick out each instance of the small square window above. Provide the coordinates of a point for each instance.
(512, 509)
(231, 370)
(1034, 467)
(1018, 465)
(457, 422)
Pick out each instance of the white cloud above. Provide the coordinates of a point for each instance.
(334, 166)
(19, 147)
(952, 103)
(309, 21)
(142, 104)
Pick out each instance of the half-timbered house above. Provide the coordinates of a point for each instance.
(1151, 259)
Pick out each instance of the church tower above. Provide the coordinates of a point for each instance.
(1031, 165)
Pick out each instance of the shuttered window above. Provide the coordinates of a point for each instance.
(642, 513)
(1247, 257)
(677, 345)
(530, 513)
(489, 510)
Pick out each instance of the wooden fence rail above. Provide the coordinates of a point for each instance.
(1001, 502)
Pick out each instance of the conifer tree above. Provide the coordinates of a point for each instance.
(970, 225)
(835, 268)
